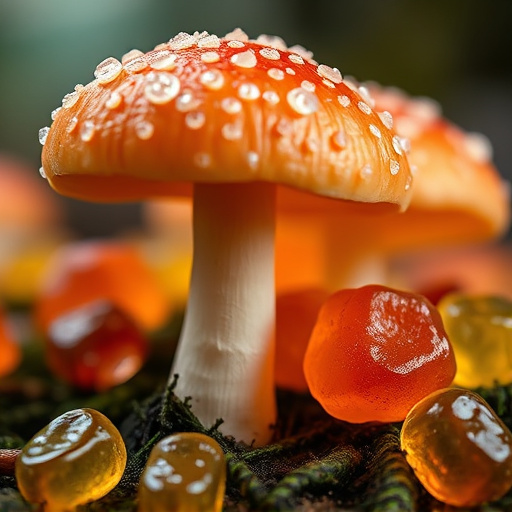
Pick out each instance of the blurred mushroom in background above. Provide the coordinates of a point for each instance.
(166, 245)
(31, 227)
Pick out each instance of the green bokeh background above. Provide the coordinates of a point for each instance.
(456, 51)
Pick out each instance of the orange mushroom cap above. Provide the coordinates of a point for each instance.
(459, 196)
(204, 109)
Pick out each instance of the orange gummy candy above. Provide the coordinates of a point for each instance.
(95, 346)
(86, 271)
(375, 352)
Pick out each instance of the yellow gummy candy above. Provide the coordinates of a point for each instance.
(77, 458)
(185, 473)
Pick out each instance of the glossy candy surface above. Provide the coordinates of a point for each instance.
(480, 330)
(458, 447)
(85, 271)
(185, 473)
(10, 353)
(77, 458)
(374, 352)
(95, 346)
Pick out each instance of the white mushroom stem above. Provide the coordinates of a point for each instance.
(225, 354)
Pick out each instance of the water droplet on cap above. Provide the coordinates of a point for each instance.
(236, 44)
(195, 120)
(363, 107)
(296, 59)
(339, 139)
(245, 59)
(144, 130)
(161, 87)
(284, 127)
(275, 73)
(87, 131)
(114, 100)
(42, 172)
(344, 100)
(308, 86)
(375, 131)
(394, 167)
(134, 61)
(366, 171)
(387, 119)
(212, 79)
(43, 134)
(162, 60)
(55, 112)
(70, 99)
(232, 131)
(302, 101)
(182, 41)
(108, 70)
(397, 146)
(248, 92)
(329, 73)
(186, 102)
(271, 97)
(270, 53)
(209, 41)
(210, 57)
(231, 105)
(253, 159)
(301, 52)
(72, 124)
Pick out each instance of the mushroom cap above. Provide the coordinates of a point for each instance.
(459, 195)
(205, 109)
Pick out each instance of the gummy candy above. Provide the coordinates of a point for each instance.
(77, 458)
(296, 314)
(185, 472)
(480, 330)
(85, 271)
(10, 353)
(459, 449)
(95, 346)
(374, 352)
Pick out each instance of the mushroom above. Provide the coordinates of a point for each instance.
(238, 118)
(458, 199)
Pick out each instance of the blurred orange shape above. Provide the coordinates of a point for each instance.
(10, 353)
(95, 346)
(82, 272)
(296, 314)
